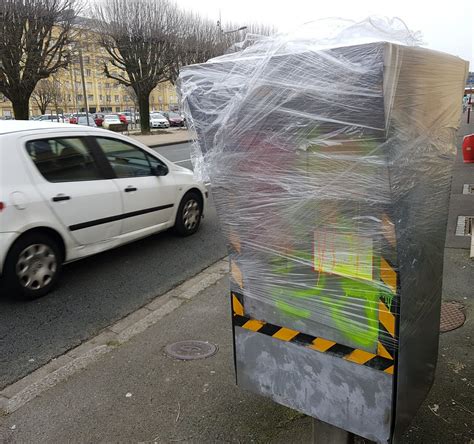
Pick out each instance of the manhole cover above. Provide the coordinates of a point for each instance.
(188, 350)
(452, 316)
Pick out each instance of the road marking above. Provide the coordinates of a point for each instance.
(63, 367)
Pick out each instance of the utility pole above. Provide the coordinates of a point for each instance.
(84, 85)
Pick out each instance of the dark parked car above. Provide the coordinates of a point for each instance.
(86, 121)
(174, 118)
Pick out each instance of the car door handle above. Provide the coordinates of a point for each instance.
(129, 189)
(61, 197)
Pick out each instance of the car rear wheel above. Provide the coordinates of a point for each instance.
(189, 214)
(32, 266)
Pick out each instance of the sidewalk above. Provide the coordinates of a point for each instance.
(137, 394)
(166, 137)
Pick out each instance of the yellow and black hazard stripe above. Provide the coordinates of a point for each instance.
(361, 357)
(388, 310)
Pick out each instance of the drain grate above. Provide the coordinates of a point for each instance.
(189, 350)
(464, 225)
(452, 316)
(468, 188)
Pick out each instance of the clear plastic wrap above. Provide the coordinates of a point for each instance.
(330, 156)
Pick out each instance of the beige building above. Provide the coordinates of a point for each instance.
(103, 94)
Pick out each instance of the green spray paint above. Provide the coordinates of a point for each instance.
(353, 292)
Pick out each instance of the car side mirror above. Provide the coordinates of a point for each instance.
(160, 170)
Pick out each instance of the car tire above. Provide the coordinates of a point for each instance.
(188, 217)
(32, 266)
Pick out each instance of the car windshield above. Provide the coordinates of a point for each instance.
(111, 117)
(157, 116)
(174, 115)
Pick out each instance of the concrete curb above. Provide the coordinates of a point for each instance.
(157, 145)
(61, 368)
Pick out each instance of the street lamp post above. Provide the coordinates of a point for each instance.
(234, 30)
(219, 27)
(77, 50)
(81, 63)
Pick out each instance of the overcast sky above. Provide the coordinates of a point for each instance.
(445, 25)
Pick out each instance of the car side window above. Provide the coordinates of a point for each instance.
(63, 159)
(127, 160)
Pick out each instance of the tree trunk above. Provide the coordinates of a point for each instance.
(21, 107)
(43, 107)
(144, 105)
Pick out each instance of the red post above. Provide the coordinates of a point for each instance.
(468, 148)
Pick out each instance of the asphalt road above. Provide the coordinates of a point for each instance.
(95, 292)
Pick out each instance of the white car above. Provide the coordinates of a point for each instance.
(111, 121)
(131, 117)
(158, 120)
(50, 118)
(67, 192)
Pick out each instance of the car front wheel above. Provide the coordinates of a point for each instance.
(189, 214)
(32, 266)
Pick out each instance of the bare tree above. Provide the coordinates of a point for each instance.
(47, 92)
(139, 37)
(34, 38)
(236, 41)
(196, 41)
(200, 39)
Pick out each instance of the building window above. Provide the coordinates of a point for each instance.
(117, 99)
(125, 98)
(90, 97)
(107, 86)
(88, 72)
(89, 85)
(117, 109)
(86, 59)
(79, 97)
(108, 98)
(101, 97)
